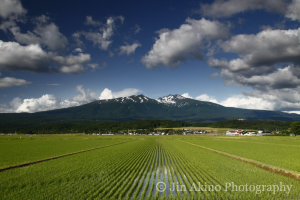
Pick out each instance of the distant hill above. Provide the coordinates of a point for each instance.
(140, 107)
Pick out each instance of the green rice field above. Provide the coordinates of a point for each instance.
(149, 167)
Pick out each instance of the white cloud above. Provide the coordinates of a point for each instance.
(46, 102)
(227, 8)
(89, 21)
(248, 103)
(268, 62)
(16, 103)
(293, 112)
(72, 69)
(214, 75)
(95, 66)
(51, 102)
(11, 82)
(102, 37)
(293, 10)
(72, 60)
(178, 45)
(78, 50)
(45, 34)
(11, 7)
(108, 94)
(205, 97)
(202, 97)
(221, 8)
(42, 19)
(265, 48)
(280, 79)
(15, 57)
(129, 49)
(186, 95)
(84, 96)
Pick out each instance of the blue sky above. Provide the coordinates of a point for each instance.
(238, 53)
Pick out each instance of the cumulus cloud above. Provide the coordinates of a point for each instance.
(246, 102)
(101, 37)
(266, 48)
(45, 34)
(293, 10)
(280, 79)
(15, 57)
(205, 97)
(259, 54)
(46, 102)
(186, 95)
(42, 19)
(129, 49)
(269, 63)
(72, 64)
(11, 7)
(257, 100)
(227, 8)
(51, 102)
(89, 21)
(108, 94)
(176, 46)
(11, 82)
(202, 97)
(84, 96)
(78, 50)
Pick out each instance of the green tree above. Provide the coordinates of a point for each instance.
(295, 128)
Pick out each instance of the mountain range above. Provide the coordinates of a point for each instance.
(141, 107)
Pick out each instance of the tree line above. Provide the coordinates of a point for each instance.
(92, 126)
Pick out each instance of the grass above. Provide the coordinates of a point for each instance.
(21, 148)
(131, 170)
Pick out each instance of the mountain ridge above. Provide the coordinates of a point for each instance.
(141, 107)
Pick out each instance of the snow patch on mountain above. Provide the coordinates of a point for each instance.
(133, 98)
(170, 99)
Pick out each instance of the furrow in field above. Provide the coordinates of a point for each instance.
(118, 165)
(253, 162)
(55, 157)
(124, 173)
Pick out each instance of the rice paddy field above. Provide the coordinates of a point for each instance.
(149, 167)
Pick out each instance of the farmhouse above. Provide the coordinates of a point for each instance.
(235, 132)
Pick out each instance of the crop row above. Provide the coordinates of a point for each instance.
(134, 170)
(281, 155)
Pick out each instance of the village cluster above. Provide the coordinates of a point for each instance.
(235, 132)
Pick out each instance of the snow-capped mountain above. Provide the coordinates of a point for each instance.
(134, 98)
(170, 99)
(141, 107)
(173, 100)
